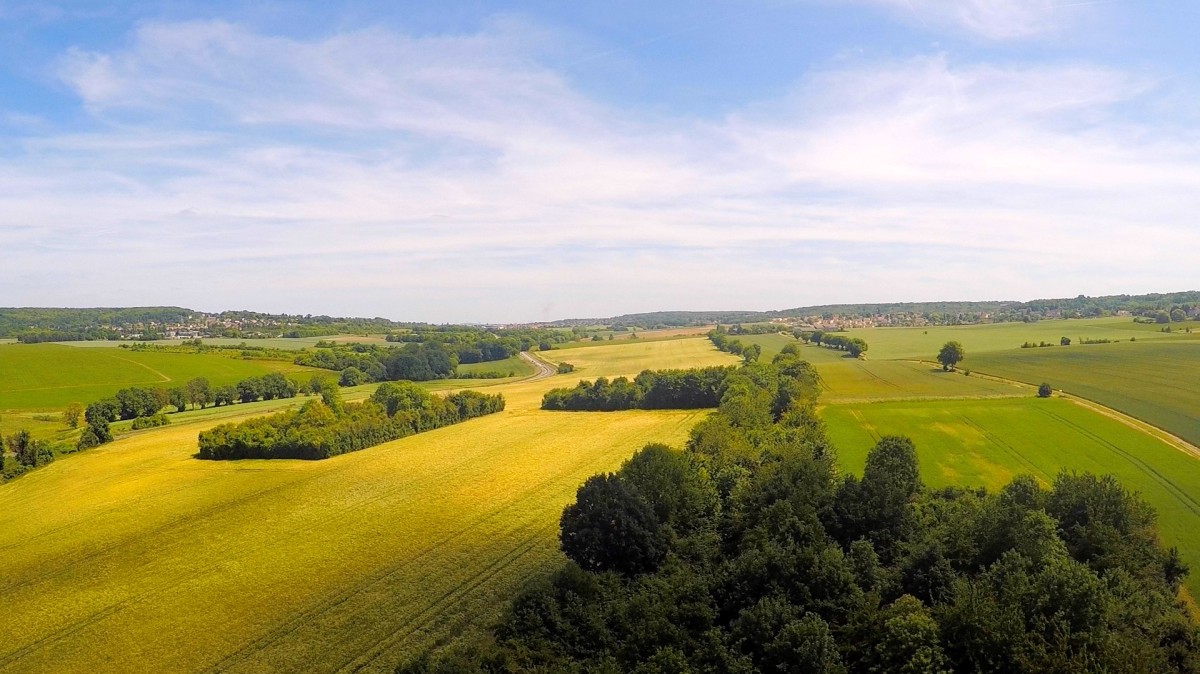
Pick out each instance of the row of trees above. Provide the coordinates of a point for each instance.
(720, 338)
(327, 427)
(140, 403)
(650, 390)
(750, 551)
(852, 345)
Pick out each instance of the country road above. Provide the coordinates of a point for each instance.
(544, 369)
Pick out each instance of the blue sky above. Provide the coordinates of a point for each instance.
(521, 161)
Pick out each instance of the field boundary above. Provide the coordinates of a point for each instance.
(1116, 415)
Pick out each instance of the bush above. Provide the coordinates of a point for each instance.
(155, 421)
(1045, 391)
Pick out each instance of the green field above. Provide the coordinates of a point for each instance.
(1157, 382)
(288, 343)
(986, 443)
(515, 364)
(136, 557)
(923, 343)
(853, 380)
(49, 376)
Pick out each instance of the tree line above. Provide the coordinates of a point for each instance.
(326, 427)
(140, 403)
(411, 362)
(720, 338)
(651, 390)
(855, 346)
(750, 551)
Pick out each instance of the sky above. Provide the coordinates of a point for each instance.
(483, 161)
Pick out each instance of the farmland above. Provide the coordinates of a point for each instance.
(912, 343)
(985, 443)
(356, 562)
(1157, 382)
(137, 548)
(48, 376)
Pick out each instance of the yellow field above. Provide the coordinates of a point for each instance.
(136, 557)
(631, 357)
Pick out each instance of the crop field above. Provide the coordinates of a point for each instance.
(1157, 382)
(630, 358)
(47, 376)
(288, 343)
(136, 557)
(853, 380)
(923, 343)
(986, 443)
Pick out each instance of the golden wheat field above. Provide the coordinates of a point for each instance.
(136, 557)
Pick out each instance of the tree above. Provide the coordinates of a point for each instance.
(610, 527)
(352, 376)
(199, 393)
(224, 395)
(752, 353)
(72, 414)
(1045, 391)
(951, 354)
(177, 398)
(1065, 341)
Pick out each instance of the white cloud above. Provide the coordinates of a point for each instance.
(458, 177)
(992, 19)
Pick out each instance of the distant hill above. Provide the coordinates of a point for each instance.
(931, 312)
(34, 324)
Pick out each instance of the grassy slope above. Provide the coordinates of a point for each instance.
(985, 443)
(515, 364)
(43, 376)
(135, 557)
(1157, 382)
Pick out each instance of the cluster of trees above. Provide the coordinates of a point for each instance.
(411, 362)
(27, 452)
(651, 390)
(482, 346)
(855, 346)
(326, 427)
(749, 551)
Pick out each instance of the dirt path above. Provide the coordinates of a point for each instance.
(543, 368)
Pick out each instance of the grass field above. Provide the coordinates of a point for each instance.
(515, 364)
(986, 443)
(1157, 382)
(49, 376)
(136, 557)
(914, 343)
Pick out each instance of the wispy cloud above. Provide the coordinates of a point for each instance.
(460, 177)
(993, 19)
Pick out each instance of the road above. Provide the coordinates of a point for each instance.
(543, 368)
